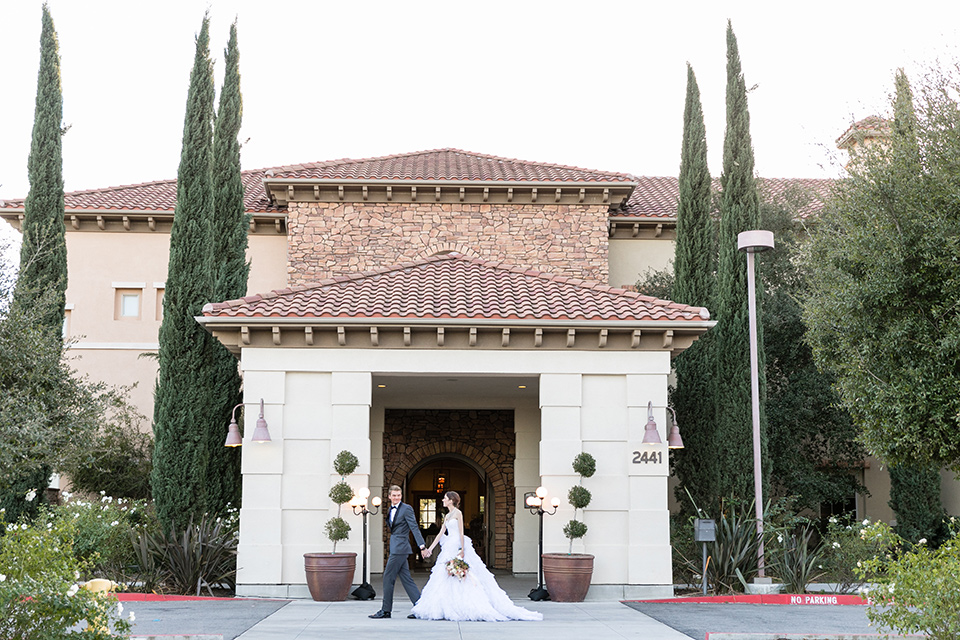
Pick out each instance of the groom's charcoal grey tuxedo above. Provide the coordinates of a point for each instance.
(404, 522)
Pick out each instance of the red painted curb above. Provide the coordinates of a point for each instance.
(814, 599)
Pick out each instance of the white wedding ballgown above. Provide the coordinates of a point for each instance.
(476, 597)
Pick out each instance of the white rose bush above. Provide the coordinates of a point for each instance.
(39, 592)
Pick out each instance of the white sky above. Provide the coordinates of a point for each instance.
(596, 84)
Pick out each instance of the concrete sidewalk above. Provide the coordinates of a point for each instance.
(561, 621)
(250, 619)
(254, 619)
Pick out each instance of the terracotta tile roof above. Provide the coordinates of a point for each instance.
(153, 196)
(455, 286)
(653, 196)
(869, 127)
(656, 197)
(444, 164)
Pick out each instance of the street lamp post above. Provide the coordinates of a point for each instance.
(365, 591)
(535, 503)
(752, 242)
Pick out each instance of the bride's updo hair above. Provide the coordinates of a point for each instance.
(454, 497)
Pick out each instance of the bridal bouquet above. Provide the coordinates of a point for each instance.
(458, 568)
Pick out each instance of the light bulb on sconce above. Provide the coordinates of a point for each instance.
(555, 502)
(377, 501)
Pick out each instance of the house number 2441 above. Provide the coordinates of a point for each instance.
(646, 457)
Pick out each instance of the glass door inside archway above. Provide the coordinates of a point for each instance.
(425, 490)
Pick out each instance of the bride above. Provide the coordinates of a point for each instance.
(475, 597)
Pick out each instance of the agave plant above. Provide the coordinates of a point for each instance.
(200, 554)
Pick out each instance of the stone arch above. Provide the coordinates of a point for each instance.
(406, 448)
(446, 247)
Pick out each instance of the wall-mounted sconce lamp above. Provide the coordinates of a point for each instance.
(651, 436)
(260, 433)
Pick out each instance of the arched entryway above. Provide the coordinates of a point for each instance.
(432, 478)
(483, 440)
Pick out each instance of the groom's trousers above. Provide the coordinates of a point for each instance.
(397, 566)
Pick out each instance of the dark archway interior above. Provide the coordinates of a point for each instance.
(426, 487)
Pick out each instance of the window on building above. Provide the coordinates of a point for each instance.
(129, 305)
(159, 286)
(128, 300)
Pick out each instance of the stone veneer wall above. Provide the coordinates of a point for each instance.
(485, 436)
(328, 239)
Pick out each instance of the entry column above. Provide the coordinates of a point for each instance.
(560, 442)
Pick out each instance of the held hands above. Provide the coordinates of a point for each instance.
(426, 553)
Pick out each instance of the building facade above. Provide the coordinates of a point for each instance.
(456, 320)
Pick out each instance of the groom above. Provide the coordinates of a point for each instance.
(401, 521)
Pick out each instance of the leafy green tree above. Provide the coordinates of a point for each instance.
(221, 470)
(47, 414)
(813, 449)
(43, 253)
(695, 283)
(883, 314)
(182, 404)
(739, 211)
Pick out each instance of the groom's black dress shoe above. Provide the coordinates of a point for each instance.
(380, 614)
(412, 617)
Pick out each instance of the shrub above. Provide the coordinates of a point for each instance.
(119, 459)
(25, 495)
(102, 530)
(687, 554)
(39, 597)
(917, 588)
(844, 548)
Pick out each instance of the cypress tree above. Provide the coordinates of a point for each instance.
(43, 254)
(182, 405)
(230, 272)
(695, 284)
(739, 211)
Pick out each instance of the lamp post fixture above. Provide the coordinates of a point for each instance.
(359, 504)
(535, 502)
(752, 242)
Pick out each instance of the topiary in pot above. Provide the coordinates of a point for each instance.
(337, 528)
(579, 497)
(330, 575)
(568, 574)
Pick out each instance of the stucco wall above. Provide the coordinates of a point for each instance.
(632, 258)
(590, 401)
(108, 347)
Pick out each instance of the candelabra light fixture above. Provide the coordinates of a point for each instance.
(535, 502)
(359, 503)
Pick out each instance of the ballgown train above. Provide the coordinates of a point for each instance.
(476, 597)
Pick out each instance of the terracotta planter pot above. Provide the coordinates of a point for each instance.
(329, 575)
(567, 575)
